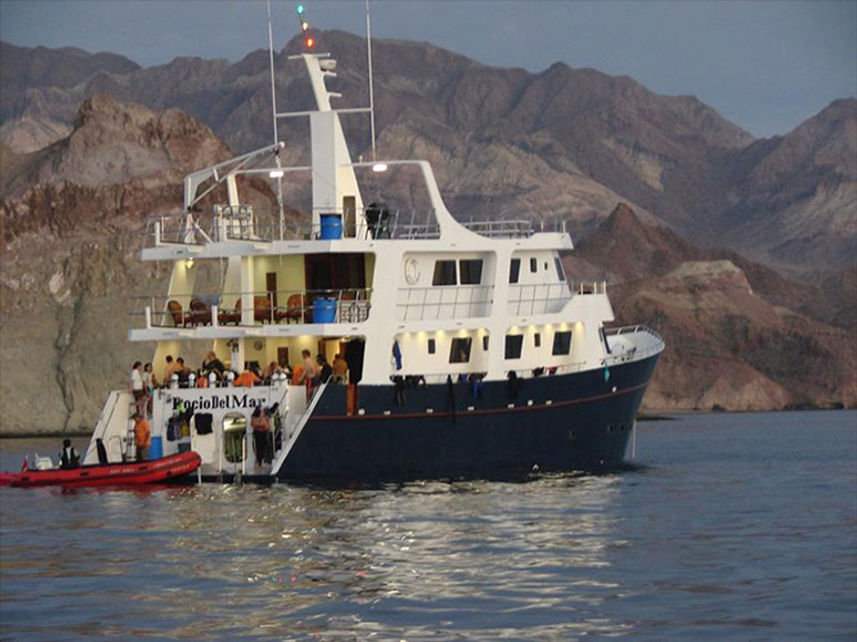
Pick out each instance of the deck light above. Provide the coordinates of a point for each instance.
(276, 173)
(379, 167)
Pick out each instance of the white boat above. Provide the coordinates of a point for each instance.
(469, 351)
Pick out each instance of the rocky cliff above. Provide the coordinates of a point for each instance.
(739, 336)
(74, 219)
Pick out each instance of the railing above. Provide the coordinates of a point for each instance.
(590, 287)
(247, 223)
(636, 342)
(350, 305)
(501, 229)
(180, 228)
(537, 298)
(427, 303)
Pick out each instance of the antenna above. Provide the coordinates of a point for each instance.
(371, 92)
(271, 60)
(279, 174)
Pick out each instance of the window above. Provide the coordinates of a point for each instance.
(485, 338)
(470, 271)
(537, 340)
(444, 273)
(514, 344)
(561, 343)
(560, 275)
(514, 270)
(459, 351)
(431, 346)
(534, 264)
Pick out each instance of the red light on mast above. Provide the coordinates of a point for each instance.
(309, 42)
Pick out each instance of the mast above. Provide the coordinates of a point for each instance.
(371, 90)
(278, 174)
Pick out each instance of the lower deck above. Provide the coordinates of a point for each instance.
(407, 429)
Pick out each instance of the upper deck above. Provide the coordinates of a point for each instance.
(244, 230)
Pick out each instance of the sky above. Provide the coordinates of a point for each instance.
(765, 65)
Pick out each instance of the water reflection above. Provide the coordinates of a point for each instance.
(418, 561)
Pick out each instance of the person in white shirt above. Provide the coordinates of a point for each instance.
(137, 386)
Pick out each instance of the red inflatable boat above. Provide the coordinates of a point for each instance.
(125, 474)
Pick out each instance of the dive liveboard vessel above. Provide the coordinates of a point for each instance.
(457, 349)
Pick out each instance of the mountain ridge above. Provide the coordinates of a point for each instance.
(576, 141)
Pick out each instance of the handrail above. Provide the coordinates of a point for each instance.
(247, 223)
(481, 297)
(634, 354)
(194, 309)
(293, 438)
(544, 297)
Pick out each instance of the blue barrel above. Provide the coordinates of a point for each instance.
(324, 311)
(331, 226)
(156, 448)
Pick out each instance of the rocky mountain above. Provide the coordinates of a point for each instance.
(796, 195)
(94, 144)
(739, 335)
(69, 270)
(563, 143)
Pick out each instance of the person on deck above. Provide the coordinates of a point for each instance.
(142, 436)
(150, 382)
(310, 366)
(340, 369)
(325, 372)
(169, 369)
(212, 364)
(261, 424)
(297, 374)
(137, 386)
(248, 379)
(182, 371)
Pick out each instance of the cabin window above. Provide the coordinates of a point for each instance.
(485, 338)
(534, 264)
(560, 275)
(514, 344)
(444, 273)
(537, 340)
(561, 343)
(431, 346)
(470, 271)
(459, 351)
(514, 270)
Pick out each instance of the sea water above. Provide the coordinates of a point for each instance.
(731, 526)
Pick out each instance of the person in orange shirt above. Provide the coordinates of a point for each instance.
(142, 436)
(247, 379)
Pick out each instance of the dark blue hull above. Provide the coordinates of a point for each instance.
(576, 421)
